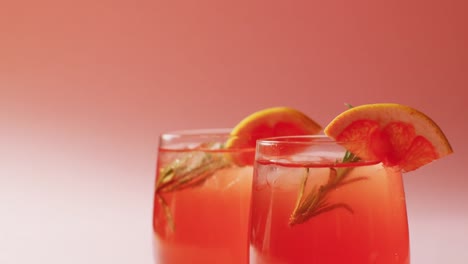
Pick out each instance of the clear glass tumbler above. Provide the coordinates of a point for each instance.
(315, 202)
(202, 199)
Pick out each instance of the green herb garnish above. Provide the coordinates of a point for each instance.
(191, 170)
(316, 201)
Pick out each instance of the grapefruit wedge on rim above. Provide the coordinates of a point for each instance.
(269, 122)
(397, 135)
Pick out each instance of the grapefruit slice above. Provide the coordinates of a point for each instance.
(269, 122)
(395, 134)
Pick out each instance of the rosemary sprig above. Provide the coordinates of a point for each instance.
(167, 212)
(316, 201)
(191, 170)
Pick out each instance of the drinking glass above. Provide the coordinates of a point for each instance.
(202, 199)
(315, 202)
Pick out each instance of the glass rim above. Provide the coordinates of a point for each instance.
(205, 139)
(199, 132)
(305, 148)
(302, 140)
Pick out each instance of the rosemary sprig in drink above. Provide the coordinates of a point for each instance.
(316, 201)
(191, 170)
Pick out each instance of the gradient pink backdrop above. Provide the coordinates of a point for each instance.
(87, 86)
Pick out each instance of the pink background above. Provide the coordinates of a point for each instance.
(86, 87)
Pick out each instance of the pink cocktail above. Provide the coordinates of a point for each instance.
(202, 199)
(314, 202)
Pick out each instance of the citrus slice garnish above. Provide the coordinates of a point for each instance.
(270, 122)
(395, 134)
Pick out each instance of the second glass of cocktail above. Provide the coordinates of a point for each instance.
(315, 202)
(202, 199)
